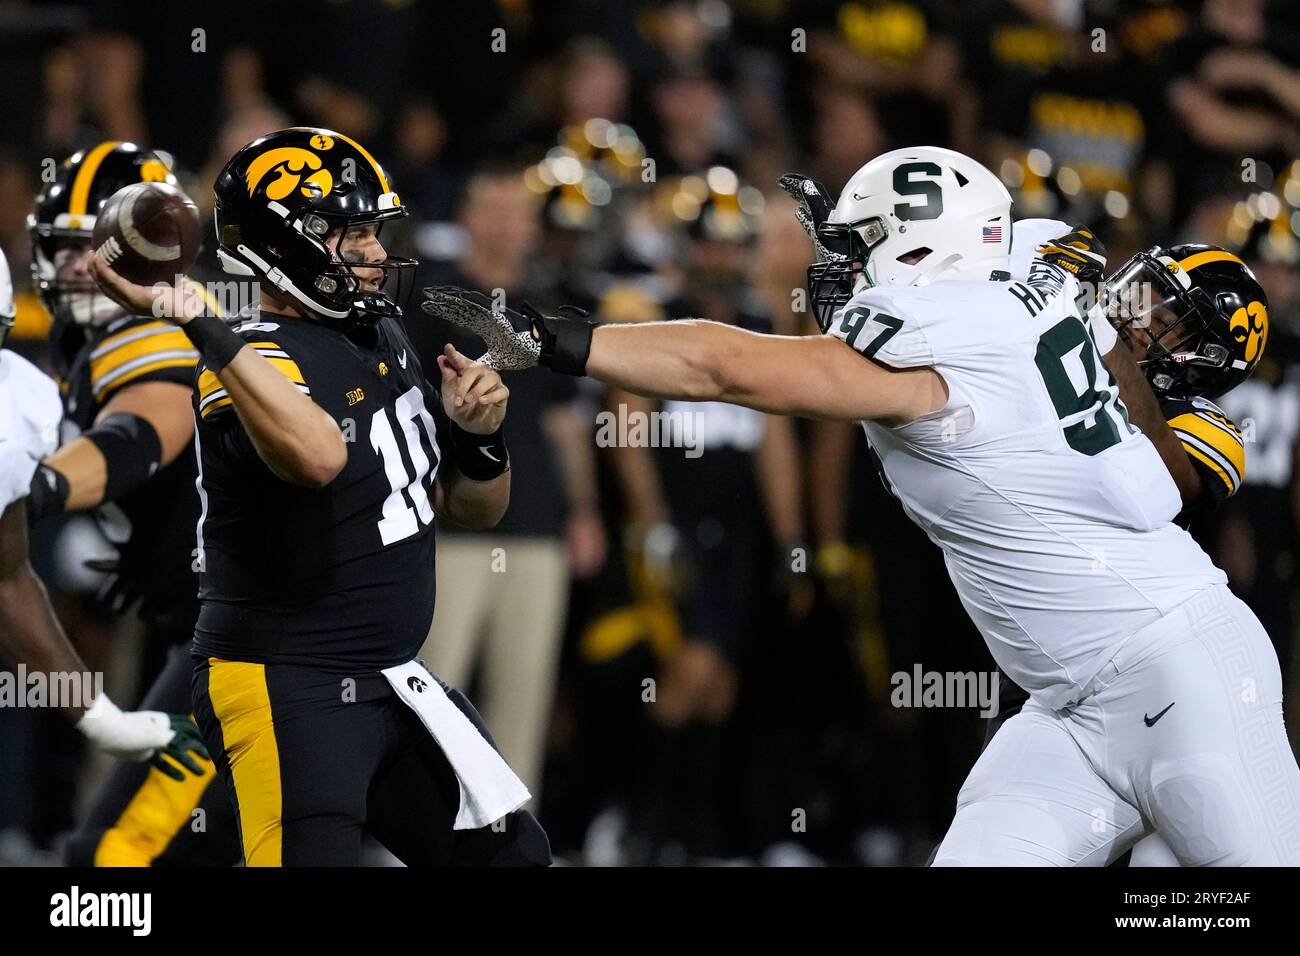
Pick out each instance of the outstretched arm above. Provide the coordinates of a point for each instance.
(31, 635)
(697, 361)
(810, 376)
(144, 427)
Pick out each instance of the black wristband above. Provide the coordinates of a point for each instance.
(566, 344)
(48, 494)
(480, 457)
(217, 343)
(132, 452)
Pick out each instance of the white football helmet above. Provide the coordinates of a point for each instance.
(911, 217)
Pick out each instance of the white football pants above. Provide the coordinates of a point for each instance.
(1180, 734)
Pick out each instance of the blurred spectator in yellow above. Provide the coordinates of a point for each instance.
(718, 491)
(1255, 537)
(902, 54)
(1085, 138)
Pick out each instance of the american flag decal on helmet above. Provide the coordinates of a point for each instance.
(993, 233)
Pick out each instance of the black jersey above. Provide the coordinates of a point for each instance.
(153, 526)
(339, 577)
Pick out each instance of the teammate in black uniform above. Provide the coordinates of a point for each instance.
(323, 455)
(126, 382)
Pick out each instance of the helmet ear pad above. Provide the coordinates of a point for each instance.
(276, 263)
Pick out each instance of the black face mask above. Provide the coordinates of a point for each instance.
(395, 286)
(832, 283)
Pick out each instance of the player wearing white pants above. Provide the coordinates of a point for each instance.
(1155, 695)
(1157, 744)
(1202, 432)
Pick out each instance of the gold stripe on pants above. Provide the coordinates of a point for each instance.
(242, 705)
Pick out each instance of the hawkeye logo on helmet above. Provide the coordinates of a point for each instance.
(1249, 324)
(291, 164)
(154, 171)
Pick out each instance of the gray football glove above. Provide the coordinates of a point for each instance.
(813, 207)
(509, 347)
(516, 338)
(140, 735)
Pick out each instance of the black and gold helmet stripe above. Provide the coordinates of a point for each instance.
(277, 201)
(379, 171)
(1210, 322)
(79, 197)
(1210, 255)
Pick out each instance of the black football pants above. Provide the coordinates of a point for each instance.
(313, 759)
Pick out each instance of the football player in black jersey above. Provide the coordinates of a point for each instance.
(125, 378)
(324, 454)
(30, 635)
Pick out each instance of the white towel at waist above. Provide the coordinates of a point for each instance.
(489, 789)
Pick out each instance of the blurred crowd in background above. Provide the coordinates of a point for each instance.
(687, 656)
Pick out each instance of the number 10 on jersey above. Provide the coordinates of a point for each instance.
(400, 520)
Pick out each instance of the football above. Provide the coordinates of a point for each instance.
(147, 233)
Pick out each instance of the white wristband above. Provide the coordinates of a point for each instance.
(102, 707)
(131, 735)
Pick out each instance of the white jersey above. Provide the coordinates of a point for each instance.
(1026, 236)
(30, 411)
(1053, 512)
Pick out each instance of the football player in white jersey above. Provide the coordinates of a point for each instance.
(30, 635)
(1173, 309)
(1156, 698)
